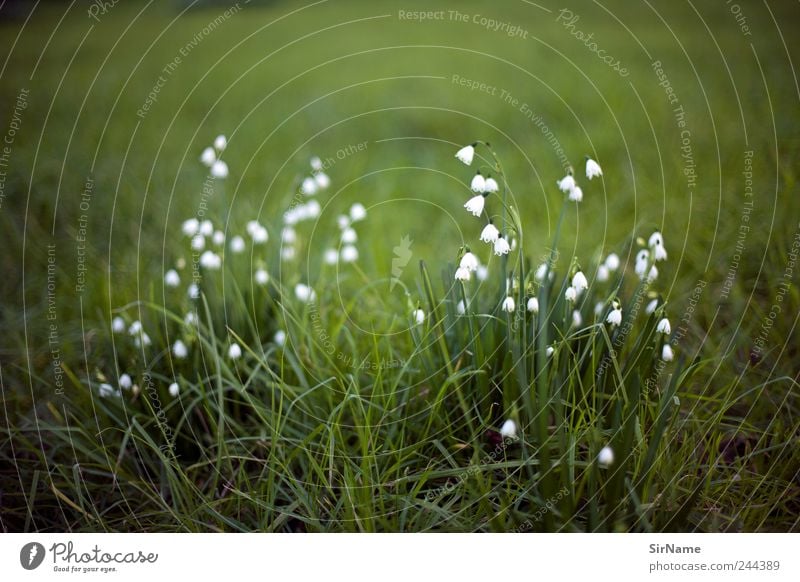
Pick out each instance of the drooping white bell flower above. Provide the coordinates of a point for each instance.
(655, 239)
(478, 183)
(550, 351)
(309, 187)
(541, 270)
(651, 307)
(509, 429)
(475, 204)
(615, 316)
(489, 233)
(218, 238)
(660, 253)
(313, 208)
(603, 273)
(357, 212)
(179, 350)
(567, 183)
(469, 261)
(211, 261)
(220, 143)
(105, 390)
(190, 227)
(577, 318)
(142, 340)
(304, 293)
(322, 180)
(193, 291)
(482, 273)
(509, 305)
(641, 263)
(331, 257)
(316, 163)
(288, 235)
(664, 326)
(501, 246)
(125, 382)
(234, 351)
(135, 328)
(571, 294)
(261, 277)
(208, 157)
(198, 242)
(466, 154)
(237, 245)
(656, 243)
(260, 235)
(206, 228)
(576, 194)
(419, 316)
(533, 305)
(349, 254)
(219, 169)
(288, 253)
(118, 325)
(174, 389)
(490, 186)
(171, 278)
(342, 221)
(612, 262)
(605, 458)
(280, 337)
(349, 236)
(463, 274)
(579, 282)
(592, 169)
(461, 308)
(667, 354)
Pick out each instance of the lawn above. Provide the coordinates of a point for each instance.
(286, 335)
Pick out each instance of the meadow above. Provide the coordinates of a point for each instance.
(245, 287)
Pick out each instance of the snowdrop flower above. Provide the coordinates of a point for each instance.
(190, 318)
(211, 261)
(331, 257)
(206, 228)
(349, 254)
(490, 185)
(117, 325)
(322, 180)
(664, 327)
(291, 217)
(208, 157)
(579, 282)
(237, 245)
(288, 235)
(304, 293)
(357, 212)
(190, 227)
(135, 328)
(655, 240)
(651, 307)
(540, 272)
(220, 143)
(482, 273)
(490, 233)
(641, 263)
(260, 235)
(475, 205)
(198, 242)
(577, 318)
(603, 273)
(656, 243)
(316, 163)
(419, 316)
(261, 277)
(653, 274)
(478, 183)
(105, 390)
(219, 170)
(533, 305)
(174, 389)
(466, 154)
(667, 354)
(567, 183)
(125, 382)
(509, 305)
(571, 294)
(550, 351)
(313, 208)
(592, 169)
(463, 274)
(660, 253)
(280, 337)
(142, 340)
(509, 429)
(501, 246)
(234, 352)
(218, 238)
(612, 262)
(252, 226)
(288, 253)
(342, 221)
(576, 194)
(615, 317)
(349, 236)
(461, 308)
(308, 187)
(469, 262)
(179, 350)
(193, 291)
(605, 457)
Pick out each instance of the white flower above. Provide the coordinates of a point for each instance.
(106, 390)
(461, 308)
(142, 340)
(198, 242)
(490, 185)
(322, 180)
(288, 253)
(260, 235)
(135, 328)
(308, 187)
(463, 274)
(466, 154)
(615, 317)
(193, 291)
(304, 293)
(603, 273)
(533, 305)
(331, 257)
(656, 240)
(592, 169)
(605, 457)
(598, 308)
(190, 318)
(316, 163)
(567, 183)
(667, 354)
(577, 318)
(261, 277)
(125, 382)
(509, 305)
(576, 194)
(653, 275)
(660, 253)
(656, 243)
(478, 183)
(288, 235)
(579, 282)
(357, 212)
(280, 337)
(501, 246)
(571, 294)
(117, 325)
(550, 351)
(206, 228)
(641, 263)
(349, 254)
(179, 350)
(540, 272)
(612, 262)
(237, 245)
(218, 238)
(313, 208)
(342, 221)
(219, 169)
(651, 307)
(210, 260)
(419, 316)
(482, 273)
(174, 389)
(208, 157)
(490, 233)
(252, 226)
(475, 205)
(220, 143)
(234, 352)
(291, 216)
(190, 227)
(349, 236)
(664, 327)
(469, 262)
(509, 429)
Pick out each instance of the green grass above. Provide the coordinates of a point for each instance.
(362, 421)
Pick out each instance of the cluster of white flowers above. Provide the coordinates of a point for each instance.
(347, 236)
(569, 186)
(210, 158)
